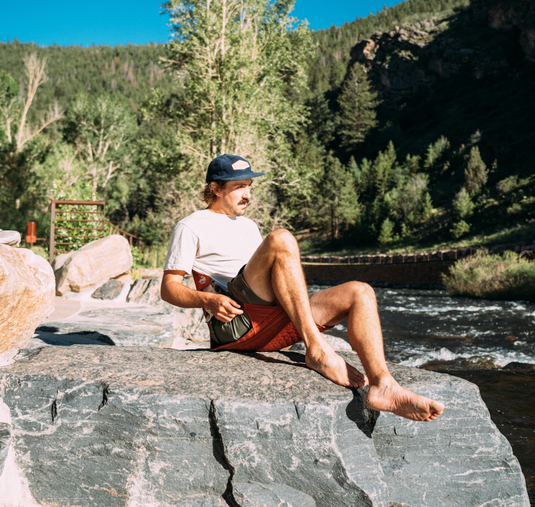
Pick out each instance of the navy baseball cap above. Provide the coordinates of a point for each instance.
(230, 168)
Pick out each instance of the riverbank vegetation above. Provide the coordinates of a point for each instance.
(405, 130)
(493, 277)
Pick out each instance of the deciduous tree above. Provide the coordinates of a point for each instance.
(22, 147)
(235, 63)
(100, 129)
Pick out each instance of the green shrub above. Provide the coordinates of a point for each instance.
(476, 172)
(387, 232)
(507, 185)
(137, 257)
(459, 229)
(462, 204)
(151, 256)
(492, 277)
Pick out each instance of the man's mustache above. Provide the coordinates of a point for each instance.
(244, 201)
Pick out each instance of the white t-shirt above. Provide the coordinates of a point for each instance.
(212, 244)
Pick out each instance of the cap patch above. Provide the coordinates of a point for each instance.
(240, 165)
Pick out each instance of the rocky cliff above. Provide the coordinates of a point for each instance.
(517, 16)
(141, 426)
(481, 41)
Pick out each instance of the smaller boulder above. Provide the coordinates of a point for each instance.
(109, 290)
(9, 238)
(146, 291)
(26, 295)
(151, 272)
(520, 367)
(93, 264)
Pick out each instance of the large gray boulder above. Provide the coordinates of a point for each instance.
(26, 295)
(110, 426)
(92, 265)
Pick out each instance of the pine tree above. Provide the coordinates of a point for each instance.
(463, 207)
(436, 152)
(476, 172)
(462, 204)
(357, 104)
(427, 207)
(339, 198)
(383, 168)
(386, 234)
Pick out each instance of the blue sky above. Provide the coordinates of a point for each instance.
(115, 22)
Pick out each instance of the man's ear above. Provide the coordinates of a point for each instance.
(216, 188)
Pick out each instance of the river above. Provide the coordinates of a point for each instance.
(473, 339)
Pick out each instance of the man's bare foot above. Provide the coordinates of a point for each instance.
(389, 396)
(328, 363)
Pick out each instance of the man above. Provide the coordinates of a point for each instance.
(255, 295)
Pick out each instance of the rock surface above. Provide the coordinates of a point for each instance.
(92, 265)
(109, 290)
(513, 15)
(419, 54)
(5, 442)
(189, 322)
(146, 291)
(26, 295)
(126, 326)
(95, 426)
(9, 238)
(81, 319)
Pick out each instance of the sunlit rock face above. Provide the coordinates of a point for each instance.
(92, 265)
(116, 426)
(26, 295)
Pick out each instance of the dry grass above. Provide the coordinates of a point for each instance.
(493, 277)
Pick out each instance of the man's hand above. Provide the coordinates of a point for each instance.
(224, 308)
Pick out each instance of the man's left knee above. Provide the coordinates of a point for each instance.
(281, 239)
(362, 292)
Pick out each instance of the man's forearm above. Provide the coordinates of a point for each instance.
(174, 292)
(177, 294)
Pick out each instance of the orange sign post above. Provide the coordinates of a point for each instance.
(31, 234)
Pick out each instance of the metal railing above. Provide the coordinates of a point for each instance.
(129, 236)
(74, 224)
(524, 250)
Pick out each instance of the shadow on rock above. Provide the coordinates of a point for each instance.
(50, 336)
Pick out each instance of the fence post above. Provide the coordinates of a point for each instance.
(31, 234)
(158, 243)
(52, 240)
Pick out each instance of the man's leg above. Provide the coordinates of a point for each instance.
(357, 302)
(274, 273)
